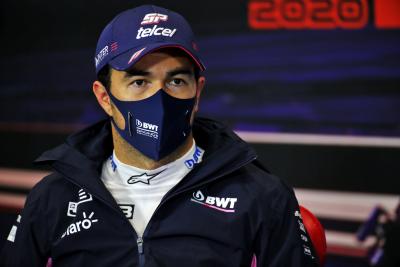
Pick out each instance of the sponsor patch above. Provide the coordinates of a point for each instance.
(12, 234)
(303, 237)
(153, 18)
(196, 158)
(147, 129)
(81, 225)
(101, 55)
(73, 206)
(143, 178)
(13, 231)
(224, 204)
(156, 31)
(127, 209)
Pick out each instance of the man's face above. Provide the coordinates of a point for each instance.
(160, 70)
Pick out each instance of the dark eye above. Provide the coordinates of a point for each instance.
(177, 82)
(138, 82)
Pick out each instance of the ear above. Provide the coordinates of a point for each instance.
(200, 85)
(102, 97)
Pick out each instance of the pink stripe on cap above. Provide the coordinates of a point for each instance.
(136, 54)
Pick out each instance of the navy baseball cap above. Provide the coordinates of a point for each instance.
(142, 30)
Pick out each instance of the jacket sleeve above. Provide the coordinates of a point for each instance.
(26, 244)
(282, 240)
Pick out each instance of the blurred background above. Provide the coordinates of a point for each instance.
(314, 85)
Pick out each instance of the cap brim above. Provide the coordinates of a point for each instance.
(129, 58)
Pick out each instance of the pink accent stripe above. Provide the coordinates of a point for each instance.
(254, 261)
(49, 263)
(213, 207)
(136, 54)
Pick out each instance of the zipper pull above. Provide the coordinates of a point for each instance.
(140, 245)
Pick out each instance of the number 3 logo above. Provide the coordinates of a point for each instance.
(127, 210)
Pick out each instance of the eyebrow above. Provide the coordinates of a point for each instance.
(178, 71)
(136, 72)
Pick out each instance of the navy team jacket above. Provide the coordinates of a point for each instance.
(227, 210)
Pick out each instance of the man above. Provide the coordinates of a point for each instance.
(152, 186)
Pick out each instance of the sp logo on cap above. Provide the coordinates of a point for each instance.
(153, 18)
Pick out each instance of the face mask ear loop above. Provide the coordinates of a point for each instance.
(111, 96)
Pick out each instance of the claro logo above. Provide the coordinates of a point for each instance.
(322, 14)
(81, 225)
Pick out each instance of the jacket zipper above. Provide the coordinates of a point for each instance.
(139, 242)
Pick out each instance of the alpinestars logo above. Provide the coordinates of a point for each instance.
(73, 206)
(225, 204)
(143, 178)
(81, 225)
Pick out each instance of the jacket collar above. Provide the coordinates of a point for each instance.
(81, 157)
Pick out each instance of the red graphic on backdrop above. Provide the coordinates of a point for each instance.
(308, 14)
(387, 14)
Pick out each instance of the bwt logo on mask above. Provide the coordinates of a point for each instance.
(146, 129)
(146, 125)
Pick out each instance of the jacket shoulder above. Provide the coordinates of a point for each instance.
(268, 189)
(49, 184)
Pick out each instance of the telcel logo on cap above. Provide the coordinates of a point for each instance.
(154, 18)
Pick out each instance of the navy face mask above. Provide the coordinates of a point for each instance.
(157, 125)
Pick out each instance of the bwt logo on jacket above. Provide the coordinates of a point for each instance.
(225, 204)
(154, 18)
(147, 129)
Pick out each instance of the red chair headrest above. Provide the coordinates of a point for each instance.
(316, 233)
